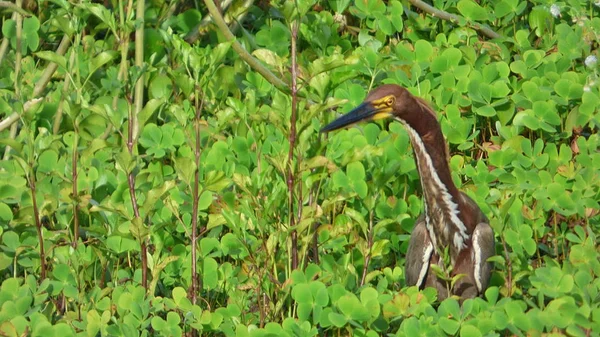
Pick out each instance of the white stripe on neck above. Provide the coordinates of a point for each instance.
(461, 235)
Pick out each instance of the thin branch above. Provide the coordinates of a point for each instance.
(38, 223)
(369, 250)
(75, 191)
(139, 62)
(41, 84)
(8, 121)
(197, 31)
(485, 30)
(61, 103)
(14, 7)
(252, 62)
(508, 266)
(292, 144)
(18, 56)
(195, 286)
(132, 131)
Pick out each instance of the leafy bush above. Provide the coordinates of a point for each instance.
(138, 136)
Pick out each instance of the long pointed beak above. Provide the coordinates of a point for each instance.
(363, 112)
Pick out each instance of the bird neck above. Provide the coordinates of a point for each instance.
(443, 204)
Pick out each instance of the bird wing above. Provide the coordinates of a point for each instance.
(483, 248)
(418, 254)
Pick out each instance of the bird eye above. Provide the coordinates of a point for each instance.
(390, 101)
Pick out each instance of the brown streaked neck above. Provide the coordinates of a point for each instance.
(426, 125)
(447, 220)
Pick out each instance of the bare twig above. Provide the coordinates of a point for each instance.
(75, 192)
(508, 266)
(196, 32)
(14, 7)
(195, 286)
(139, 62)
(292, 142)
(485, 30)
(59, 110)
(38, 223)
(369, 248)
(131, 134)
(41, 84)
(252, 62)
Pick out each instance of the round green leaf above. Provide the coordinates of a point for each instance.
(472, 11)
(336, 319)
(160, 87)
(423, 50)
(469, 331)
(206, 199)
(6, 214)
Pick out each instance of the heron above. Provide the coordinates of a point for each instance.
(452, 224)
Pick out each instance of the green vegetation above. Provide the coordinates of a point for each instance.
(132, 133)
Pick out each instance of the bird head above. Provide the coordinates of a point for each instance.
(386, 101)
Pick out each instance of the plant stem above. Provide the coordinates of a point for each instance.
(139, 62)
(131, 134)
(43, 81)
(75, 192)
(195, 286)
(38, 225)
(369, 247)
(18, 56)
(136, 212)
(252, 62)
(292, 144)
(14, 7)
(59, 110)
(508, 266)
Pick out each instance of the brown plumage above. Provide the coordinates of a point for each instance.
(451, 220)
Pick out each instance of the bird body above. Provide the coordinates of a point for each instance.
(451, 221)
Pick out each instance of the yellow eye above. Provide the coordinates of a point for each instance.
(390, 101)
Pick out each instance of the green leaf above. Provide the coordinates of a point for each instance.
(302, 293)
(11, 240)
(469, 331)
(160, 87)
(158, 323)
(178, 294)
(423, 50)
(210, 275)
(156, 194)
(472, 11)
(231, 245)
(30, 38)
(336, 319)
(101, 59)
(449, 326)
(48, 162)
(355, 171)
(6, 214)
(568, 89)
(539, 19)
(505, 7)
(206, 199)
(51, 56)
(486, 111)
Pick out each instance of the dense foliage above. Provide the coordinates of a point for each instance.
(128, 129)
